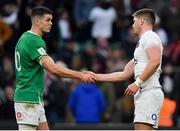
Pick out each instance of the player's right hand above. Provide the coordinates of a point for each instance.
(88, 77)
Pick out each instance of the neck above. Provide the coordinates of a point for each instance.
(36, 31)
(145, 29)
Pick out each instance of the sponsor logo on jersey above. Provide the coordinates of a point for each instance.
(28, 106)
(154, 117)
(42, 51)
(18, 116)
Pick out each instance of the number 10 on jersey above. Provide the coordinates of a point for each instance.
(17, 61)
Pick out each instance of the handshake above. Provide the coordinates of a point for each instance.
(91, 77)
(88, 77)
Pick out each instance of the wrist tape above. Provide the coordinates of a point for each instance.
(138, 82)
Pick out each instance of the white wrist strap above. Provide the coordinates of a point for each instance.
(138, 82)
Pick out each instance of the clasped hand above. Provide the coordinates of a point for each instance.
(88, 77)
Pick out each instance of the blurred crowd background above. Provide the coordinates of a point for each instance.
(93, 35)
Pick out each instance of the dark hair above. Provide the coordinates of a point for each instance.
(40, 11)
(148, 14)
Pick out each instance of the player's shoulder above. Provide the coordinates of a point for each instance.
(150, 35)
(27, 37)
(32, 39)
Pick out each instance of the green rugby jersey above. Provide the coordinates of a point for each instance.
(29, 73)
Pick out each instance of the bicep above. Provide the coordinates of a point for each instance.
(48, 63)
(154, 53)
(129, 69)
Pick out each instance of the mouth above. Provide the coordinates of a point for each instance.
(49, 28)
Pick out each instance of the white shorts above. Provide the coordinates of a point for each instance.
(148, 104)
(31, 114)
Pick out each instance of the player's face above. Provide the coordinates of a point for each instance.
(136, 25)
(46, 23)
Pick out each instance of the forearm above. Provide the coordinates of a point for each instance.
(111, 77)
(149, 70)
(65, 72)
(58, 70)
(118, 76)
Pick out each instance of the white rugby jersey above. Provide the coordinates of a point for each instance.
(148, 39)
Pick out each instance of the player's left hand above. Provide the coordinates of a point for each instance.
(131, 89)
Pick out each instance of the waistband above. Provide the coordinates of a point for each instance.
(147, 89)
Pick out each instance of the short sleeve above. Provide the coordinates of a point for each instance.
(114, 15)
(151, 40)
(93, 14)
(36, 50)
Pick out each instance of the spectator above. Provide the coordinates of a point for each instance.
(170, 19)
(87, 103)
(24, 14)
(95, 62)
(109, 93)
(56, 89)
(9, 104)
(103, 16)
(161, 31)
(6, 71)
(5, 35)
(65, 32)
(82, 9)
(10, 13)
(2, 101)
(166, 114)
(174, 52)
(67, 52)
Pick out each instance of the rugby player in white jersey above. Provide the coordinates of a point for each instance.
(146, 69)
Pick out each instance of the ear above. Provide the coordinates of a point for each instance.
(141, 21)
(38, 22)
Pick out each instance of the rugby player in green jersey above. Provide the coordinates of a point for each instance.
(31, 59)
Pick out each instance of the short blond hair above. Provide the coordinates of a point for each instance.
(147, 14)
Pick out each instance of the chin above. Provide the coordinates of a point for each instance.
(47, 31)
(135, 32)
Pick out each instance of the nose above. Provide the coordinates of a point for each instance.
(50, 23)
